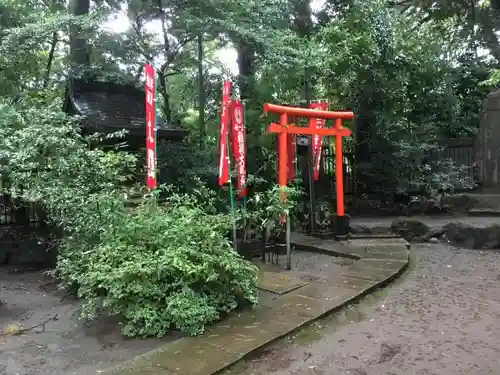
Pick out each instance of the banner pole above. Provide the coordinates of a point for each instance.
(288, 242)
(246, 180)
(231, 196)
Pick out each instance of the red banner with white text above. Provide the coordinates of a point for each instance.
(223, 130)
(150, 74)
(238, 145)
(317, 140)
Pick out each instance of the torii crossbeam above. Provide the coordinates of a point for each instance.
(284, 128)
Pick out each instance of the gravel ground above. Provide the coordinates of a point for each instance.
(442, 317)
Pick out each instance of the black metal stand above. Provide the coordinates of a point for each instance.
(312, 193)
(342, 227)
(288, 244)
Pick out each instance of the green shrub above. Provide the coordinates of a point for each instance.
(161, 268)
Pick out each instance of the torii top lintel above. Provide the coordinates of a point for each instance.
(310, 113)
(284, 112)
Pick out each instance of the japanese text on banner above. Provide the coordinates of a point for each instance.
(238, 145)
(150, 73)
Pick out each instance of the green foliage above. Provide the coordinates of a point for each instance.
(493, 79)
(182, 164)
(264, 208)
(161, 267)
(407, 94)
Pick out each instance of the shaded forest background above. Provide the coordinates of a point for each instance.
(411, 70)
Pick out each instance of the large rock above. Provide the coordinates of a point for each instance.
(460, 203)
(471, 237)
(410, 228)
(456, 233)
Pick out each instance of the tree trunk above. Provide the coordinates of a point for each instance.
(79, 48)
(201, 86)
(302, 22)
(163, 73)
(50, 60)
(246, 68)
(162, 80)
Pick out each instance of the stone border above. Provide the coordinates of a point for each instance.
(229, 341)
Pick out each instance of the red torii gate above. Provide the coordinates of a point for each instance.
(284, 128)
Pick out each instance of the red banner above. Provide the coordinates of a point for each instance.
(317, 140)
(150, 74)
(224, 120)
(238, 145)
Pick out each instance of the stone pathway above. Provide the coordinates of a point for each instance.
(440, 318)
(296, 303)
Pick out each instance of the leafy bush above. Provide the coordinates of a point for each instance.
(156, 267)
(162, 267)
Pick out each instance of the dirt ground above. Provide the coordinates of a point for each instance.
(442, 317)
(64, 345)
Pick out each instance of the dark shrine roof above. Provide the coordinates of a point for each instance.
(110, 107)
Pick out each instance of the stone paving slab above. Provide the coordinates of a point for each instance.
(192, 356)
(395, 265)
(296, 304)
(142, 366)
(331, 297)
(282, 324)
(265, 297)
(380, 255)
(362, 251)
(314, 244)
(373, 274)
(279, 283)
(242, 335)
(353, 283)
(379, 242)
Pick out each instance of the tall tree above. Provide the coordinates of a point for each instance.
(79, 46)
